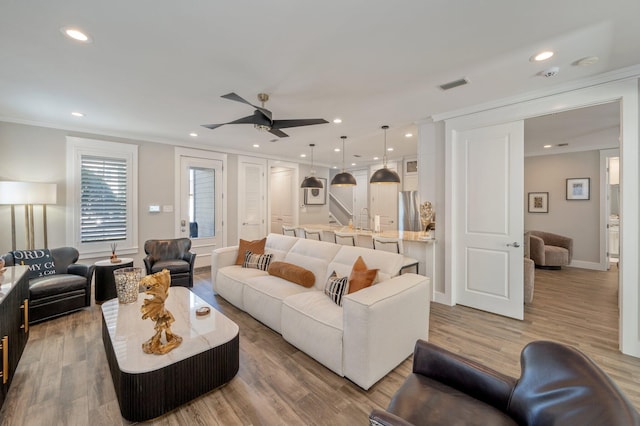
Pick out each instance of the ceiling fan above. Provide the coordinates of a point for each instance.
(262, 118)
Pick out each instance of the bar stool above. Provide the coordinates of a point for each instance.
(289, 230)
(345, 238)
(394, 245)
(313, 234)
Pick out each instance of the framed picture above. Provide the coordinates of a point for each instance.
(411, 166)
(538, 202)
(316, 196)
(578, 188)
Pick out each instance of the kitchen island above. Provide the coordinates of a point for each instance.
(417, 245)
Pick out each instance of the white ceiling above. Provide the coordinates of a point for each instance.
(156, 68)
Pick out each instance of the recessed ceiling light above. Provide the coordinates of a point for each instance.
(193, 134)
(389, 149)
(547, 146)
(336, 149)
(76, 34)
(353, 164)
(376, 158)
(303, 155)
(335, 167)
(255, 145)
(77, 114)
(585, 62)
(408, 135)
(541, 56)
(337, 120)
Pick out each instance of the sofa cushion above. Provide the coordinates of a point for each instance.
(230, 282)
(361, 277)
(279, 245)
(175, 266)
(314, 324)
(336, 287)
(257, 261)
(262, 298)
(55, 284)
(256, 246)
(314, 256)
(389, 264)
(293, 273)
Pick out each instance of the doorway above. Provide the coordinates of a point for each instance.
(200, 201)
(283, 195)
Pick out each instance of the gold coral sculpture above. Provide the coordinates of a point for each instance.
(158, 287)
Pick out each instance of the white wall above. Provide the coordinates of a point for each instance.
(579, 220)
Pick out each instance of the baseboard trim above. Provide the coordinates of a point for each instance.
(587, 265)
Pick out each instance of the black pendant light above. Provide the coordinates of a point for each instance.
(311, 181)
(343, 178)
(384, 175)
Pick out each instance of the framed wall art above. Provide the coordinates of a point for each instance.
(316, 196)
(538, 202)
(578, 188)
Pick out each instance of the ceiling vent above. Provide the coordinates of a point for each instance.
(563, 144)
(454, 84)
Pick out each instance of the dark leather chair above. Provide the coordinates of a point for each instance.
(66, 291)
(173, 255)
(558, 385)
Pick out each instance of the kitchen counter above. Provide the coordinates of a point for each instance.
(403, 235)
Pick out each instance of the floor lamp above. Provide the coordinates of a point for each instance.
(28, 194)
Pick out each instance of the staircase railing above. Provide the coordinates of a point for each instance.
(340, 212)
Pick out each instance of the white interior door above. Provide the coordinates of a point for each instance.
(384, 201)
(281, 195)
(489, 176)
(252, 208)
(361, 214)
(200, 211)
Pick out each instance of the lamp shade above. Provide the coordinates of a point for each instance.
(27, 193)
(311, 182)
(343, 179)
(385, 175)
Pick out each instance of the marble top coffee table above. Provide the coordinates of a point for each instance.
(149, 385)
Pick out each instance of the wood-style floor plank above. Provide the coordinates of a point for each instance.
(64, 378)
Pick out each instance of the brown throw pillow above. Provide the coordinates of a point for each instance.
(361, 277)
(255, 247)
(294, 273)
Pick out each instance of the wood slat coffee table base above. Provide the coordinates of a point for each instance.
(145, 393)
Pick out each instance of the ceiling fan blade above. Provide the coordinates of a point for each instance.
(250, 119)
(278, 133)
(213, 126)
(283, 124)
(235, 97)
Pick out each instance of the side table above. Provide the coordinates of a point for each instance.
(105, 284)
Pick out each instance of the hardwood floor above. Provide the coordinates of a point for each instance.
(63, 377)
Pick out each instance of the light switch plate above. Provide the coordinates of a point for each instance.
(167, 208)
(154, 208)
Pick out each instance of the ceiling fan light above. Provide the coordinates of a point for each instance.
(385, 175)
(311, 182)
(343, 179)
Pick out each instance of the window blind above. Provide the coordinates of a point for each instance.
(103, 199)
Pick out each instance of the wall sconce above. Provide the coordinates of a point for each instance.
(28, 194)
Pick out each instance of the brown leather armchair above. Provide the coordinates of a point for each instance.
(550, 251)
(68, 290)
(558, 385)
(173, 255)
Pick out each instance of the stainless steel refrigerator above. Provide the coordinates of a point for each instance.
(409, 211)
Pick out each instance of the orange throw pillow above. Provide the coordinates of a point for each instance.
(361, 277)
(256, 247)
(294, 273)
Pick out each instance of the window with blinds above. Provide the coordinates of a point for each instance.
(103, 199)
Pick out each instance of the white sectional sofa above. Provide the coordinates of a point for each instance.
(373, 331)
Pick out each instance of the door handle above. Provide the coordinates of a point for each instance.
(513, 244)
